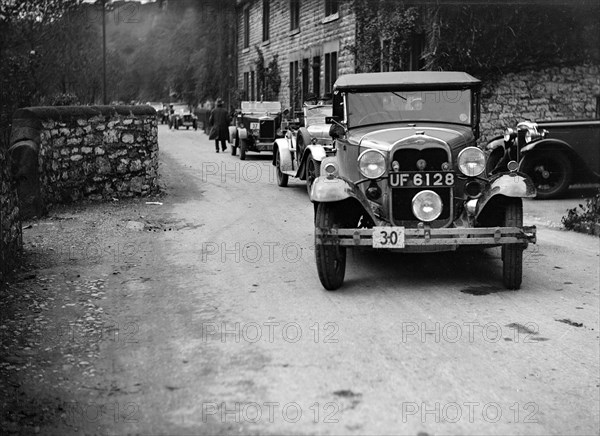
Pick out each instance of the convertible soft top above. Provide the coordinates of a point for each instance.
(406, 79)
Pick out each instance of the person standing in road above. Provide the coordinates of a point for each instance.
(219, 118)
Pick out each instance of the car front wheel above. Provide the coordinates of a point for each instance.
(550, 171)
(282, 179)
(235, 145)
(331, 259)
(313, 170)
(243, 143)
(512, 254)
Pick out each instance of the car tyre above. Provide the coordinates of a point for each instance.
(282, 179)
(512, 254)
(235, 145)
(331, 259)
(313, 170)
(243, 149)
(551, 173)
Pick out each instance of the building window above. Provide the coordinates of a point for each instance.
(265, 18)
(331, 7)
(294, 14)
(305, 79)
(294, 87)
(246, 86)
(246, 28)
(413, 59)
(331, 71)
(252, 93)
(316, 71)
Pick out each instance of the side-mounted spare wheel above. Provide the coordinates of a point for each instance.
(331, 259)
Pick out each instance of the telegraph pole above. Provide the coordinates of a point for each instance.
(104, 100)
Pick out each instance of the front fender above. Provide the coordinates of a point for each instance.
(509, 185)
(316, 151)
(497, 142)
(328, 190)
(242, 133)
(232, 134)
(335, 189)
(285, 154)
(553, 144)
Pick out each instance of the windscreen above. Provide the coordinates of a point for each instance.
(261, 106)
(451, 106)
(316, 114)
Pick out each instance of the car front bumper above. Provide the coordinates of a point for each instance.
(262, 146)
(436, 239)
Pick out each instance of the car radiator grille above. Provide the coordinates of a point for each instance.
(402, 197)
(267, 129)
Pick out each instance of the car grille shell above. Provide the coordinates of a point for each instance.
(266, 129)
(401, 198)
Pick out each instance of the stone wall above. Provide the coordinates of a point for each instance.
(316, 36)
(96, 152)
(11, 240)
(549, 94)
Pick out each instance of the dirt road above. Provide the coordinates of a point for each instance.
(207, 317)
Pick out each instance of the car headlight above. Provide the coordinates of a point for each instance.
(427, 205)
(471, 161)
(532, 131)
(371, 164)
(509, 134)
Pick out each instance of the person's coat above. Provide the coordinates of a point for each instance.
(219, 117)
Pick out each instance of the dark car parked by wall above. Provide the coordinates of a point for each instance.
(555, 154)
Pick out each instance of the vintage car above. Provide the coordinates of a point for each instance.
(407, 175)
(555, 154)
(181, 116)
(305, 145)
(257, 127)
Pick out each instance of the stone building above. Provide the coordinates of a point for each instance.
(310, 38)
(553, 76)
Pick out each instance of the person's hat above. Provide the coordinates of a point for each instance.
(219, 102)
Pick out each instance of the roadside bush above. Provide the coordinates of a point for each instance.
(65, 99)
(583, 217)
